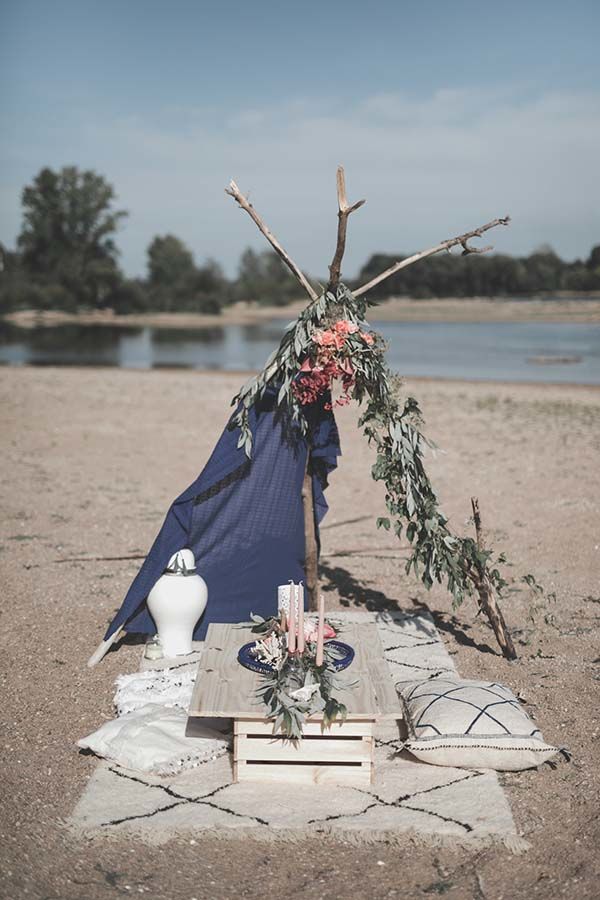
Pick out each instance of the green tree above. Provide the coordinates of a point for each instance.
(593, 260)
(204, 290)
(169, 262)
(175, 283)
(67, 234)
(263, 278)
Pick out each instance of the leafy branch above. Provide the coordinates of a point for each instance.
(463, 564)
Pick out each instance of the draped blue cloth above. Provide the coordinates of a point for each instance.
(243, 518)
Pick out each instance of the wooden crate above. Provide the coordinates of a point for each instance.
(342, 754)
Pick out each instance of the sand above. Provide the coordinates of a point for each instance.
(90, 460)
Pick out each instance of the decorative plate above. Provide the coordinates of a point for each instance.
(247, 659)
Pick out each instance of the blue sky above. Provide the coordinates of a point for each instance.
(444, 115)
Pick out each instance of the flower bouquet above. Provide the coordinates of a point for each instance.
(334, 354)
(299, 659)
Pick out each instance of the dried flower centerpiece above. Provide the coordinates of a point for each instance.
(299, 659)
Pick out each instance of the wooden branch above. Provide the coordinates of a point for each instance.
(486, 594)
(311, 558)
(234, 191)
(99, 558)
(344, 210)
(462, 239)
(103, 648)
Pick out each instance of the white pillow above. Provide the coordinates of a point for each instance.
(164, 686)
(152, 739)
(471, 725)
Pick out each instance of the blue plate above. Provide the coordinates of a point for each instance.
(247, 659)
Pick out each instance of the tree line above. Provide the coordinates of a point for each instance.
(66, 258)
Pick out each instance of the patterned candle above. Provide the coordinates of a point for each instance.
(320, 631)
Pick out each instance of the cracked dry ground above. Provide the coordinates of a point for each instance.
(90, 461)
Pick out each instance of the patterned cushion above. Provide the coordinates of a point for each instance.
(470, 724)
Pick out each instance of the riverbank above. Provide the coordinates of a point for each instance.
(91, 460)
(396, 309)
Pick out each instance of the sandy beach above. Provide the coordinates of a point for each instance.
(92, 458)
(396, 309)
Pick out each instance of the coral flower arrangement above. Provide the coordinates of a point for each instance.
(330, 358)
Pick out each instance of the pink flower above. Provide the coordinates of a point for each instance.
(367, 338)
(328, 339)
(310, 630)
(344, 327)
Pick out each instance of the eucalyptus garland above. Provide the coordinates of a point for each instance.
(335, 322)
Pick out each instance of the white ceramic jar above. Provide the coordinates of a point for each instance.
(176, 602)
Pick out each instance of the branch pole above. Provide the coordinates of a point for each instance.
(103, 648)
(344, 210)
(486, 595)
(462, 239)
(234, 191)
(311, 553)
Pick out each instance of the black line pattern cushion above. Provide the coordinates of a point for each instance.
(471, 725)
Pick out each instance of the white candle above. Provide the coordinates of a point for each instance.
(283, 598)
(300, 603)
(320, 631)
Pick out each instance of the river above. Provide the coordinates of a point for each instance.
(525, 351)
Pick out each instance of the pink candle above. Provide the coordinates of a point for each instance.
(292, 623)
(320, 631)
(300, 598)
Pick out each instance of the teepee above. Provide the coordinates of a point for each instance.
(252, 516)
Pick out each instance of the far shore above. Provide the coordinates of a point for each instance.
(396, 309)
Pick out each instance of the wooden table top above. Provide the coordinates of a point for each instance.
(226, 689)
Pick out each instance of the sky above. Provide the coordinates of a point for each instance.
(445, 115)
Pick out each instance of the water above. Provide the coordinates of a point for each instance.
(487, 351)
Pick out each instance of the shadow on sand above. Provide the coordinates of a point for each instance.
(354, 593)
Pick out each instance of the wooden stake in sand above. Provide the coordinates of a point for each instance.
(486, 594)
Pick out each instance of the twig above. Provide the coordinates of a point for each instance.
(462, 239)
(234, 191)
(344, 210)
(485, 591)
(100, 558)
(103, 648)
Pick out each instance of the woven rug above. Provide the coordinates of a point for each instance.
(408, 799)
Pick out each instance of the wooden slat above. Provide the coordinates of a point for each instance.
(354, 728)
(357, 776)
(223, 687)
(387, 700)
(316, 750)
(360, 698)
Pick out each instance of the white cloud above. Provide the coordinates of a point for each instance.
(429, 168)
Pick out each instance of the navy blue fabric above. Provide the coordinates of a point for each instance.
(243, 519)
